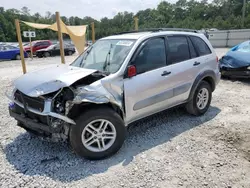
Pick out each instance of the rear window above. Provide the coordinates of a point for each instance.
(201, 47)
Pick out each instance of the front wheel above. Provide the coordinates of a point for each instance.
(98, 134)
(201, 100)
(18, 57)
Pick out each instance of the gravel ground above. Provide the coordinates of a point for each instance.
(170, 149)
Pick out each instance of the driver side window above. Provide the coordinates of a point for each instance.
(151, 56)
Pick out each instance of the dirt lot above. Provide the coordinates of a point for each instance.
(170, 149)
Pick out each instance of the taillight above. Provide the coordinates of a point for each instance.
(217, 59)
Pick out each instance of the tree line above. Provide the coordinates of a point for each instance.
(220, 14)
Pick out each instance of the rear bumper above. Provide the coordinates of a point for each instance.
(218, 77)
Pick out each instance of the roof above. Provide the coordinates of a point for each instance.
(40, 40)
(137, 35)
(128, 36)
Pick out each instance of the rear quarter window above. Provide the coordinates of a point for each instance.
(200, 46)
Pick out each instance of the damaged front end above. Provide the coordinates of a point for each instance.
(43, 115)
(235, 64)
(50, 114)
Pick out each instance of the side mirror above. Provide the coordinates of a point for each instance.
(131, 71)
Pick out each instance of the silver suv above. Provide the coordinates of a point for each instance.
(116, 81)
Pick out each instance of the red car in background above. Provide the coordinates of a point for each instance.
(37, 45)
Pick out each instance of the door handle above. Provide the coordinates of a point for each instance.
(165, 73)
(196, 63)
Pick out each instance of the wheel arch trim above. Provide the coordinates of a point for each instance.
(208, 76)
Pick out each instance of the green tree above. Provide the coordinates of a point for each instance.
(221, 14)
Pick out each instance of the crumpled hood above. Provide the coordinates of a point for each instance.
(235, 59)
(51, 79)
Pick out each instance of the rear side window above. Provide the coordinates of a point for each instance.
(201, 47)
(151, 56)
(178, 49)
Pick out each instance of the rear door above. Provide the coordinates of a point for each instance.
(3, 54)
(6, 53)
(206, 56)
(183, 63)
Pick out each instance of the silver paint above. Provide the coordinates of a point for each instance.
(46, 112)
(125, 93)
(51, 79)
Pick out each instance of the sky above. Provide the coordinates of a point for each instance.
(81, 8)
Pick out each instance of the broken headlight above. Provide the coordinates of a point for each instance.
(10, 90)
(60, 100)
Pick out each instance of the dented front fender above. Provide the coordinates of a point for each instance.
(97, 94)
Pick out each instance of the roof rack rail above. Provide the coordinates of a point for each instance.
(158, 30)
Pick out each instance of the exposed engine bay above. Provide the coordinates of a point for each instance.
(68, 94)
(60, 99)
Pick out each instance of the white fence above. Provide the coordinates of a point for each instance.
(228, 38)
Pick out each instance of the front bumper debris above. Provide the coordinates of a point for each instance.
(31, 124)
(46, 111)
(236, 73)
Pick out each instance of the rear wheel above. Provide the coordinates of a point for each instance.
(98, 133)
(18, 57)
(201, 100)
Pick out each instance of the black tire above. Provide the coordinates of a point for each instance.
(83, 120)
(70, 52)
(192, 107)
(46, 54)
(17, 57)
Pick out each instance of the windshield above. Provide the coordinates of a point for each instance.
(105, 55)
(244, 47)
(50, 47)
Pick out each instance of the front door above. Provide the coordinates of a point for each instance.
(146, 92)
(56, 51)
